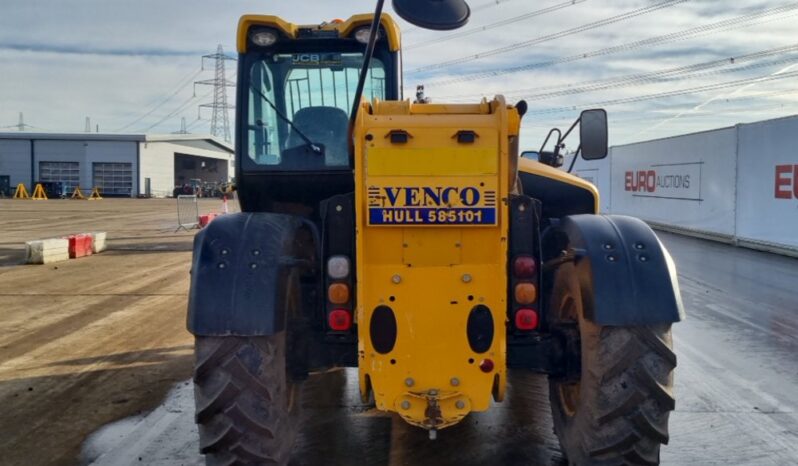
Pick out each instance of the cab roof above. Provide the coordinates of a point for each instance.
(293, 31)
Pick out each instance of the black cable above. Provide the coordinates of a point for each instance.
(490, 26)
(666, 75)
(728, 24)
(180, 87)
(659, 95)
(485, 6)
(549, 37)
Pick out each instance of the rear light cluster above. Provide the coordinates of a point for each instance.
(339, 294)
(525, 292)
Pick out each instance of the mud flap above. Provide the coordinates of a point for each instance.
(626, 275)
(240, 272)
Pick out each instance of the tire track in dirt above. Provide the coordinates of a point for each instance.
(69, 324)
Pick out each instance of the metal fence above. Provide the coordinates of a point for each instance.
(187, 212)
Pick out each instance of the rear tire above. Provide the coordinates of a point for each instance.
(617, 411)
(246, 406)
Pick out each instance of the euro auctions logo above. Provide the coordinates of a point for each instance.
(681, 181)
(786, 186)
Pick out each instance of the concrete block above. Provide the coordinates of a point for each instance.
(98, 242)
(46, 251)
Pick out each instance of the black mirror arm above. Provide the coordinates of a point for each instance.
(567, 133)
(576, 156)
(548, 136)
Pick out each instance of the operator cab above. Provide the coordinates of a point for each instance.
(296, 91)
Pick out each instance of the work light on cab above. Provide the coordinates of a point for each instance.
(338, 267)
(362, 35)
(263, 38)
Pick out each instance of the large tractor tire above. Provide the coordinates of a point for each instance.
(616, 411)
(246, 405)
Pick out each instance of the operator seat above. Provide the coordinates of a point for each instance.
(323, 125)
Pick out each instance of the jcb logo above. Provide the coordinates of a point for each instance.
(786, 181)
(306, 58)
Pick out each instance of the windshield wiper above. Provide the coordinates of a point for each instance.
(313, 146)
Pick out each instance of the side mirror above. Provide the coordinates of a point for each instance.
(531, 155)
(440, 15)
(593, 134)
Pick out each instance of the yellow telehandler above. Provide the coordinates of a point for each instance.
(411, 241)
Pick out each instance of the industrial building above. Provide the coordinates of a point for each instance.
(126, 165)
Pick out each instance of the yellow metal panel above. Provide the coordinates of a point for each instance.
(423, 247)
(430, 283)
(399, 161)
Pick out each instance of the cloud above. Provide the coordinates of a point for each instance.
(116, 60)
(83, 50)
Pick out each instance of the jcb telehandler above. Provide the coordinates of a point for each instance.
(411, 241)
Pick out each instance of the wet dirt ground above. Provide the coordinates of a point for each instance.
(102, 339)
(735, 384)
(91, 340)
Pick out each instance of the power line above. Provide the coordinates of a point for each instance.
(183, 106)
(179, 109)
(485, 6)
(728, 24)
(557, 35)
(487, 27)
(185, 81)
(660, 95)
(666, 75)
(194, 123)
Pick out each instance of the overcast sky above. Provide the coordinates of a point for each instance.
(117, 60)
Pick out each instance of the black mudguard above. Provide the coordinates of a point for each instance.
(240, 273)
(626, 274)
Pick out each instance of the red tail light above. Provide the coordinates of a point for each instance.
(524, 267)
(340, 320)
(526, 319)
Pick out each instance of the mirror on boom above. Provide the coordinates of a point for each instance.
(440, 15)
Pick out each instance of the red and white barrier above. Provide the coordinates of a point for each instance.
(47, 251)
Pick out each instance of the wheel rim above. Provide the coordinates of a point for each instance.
(568, 392)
